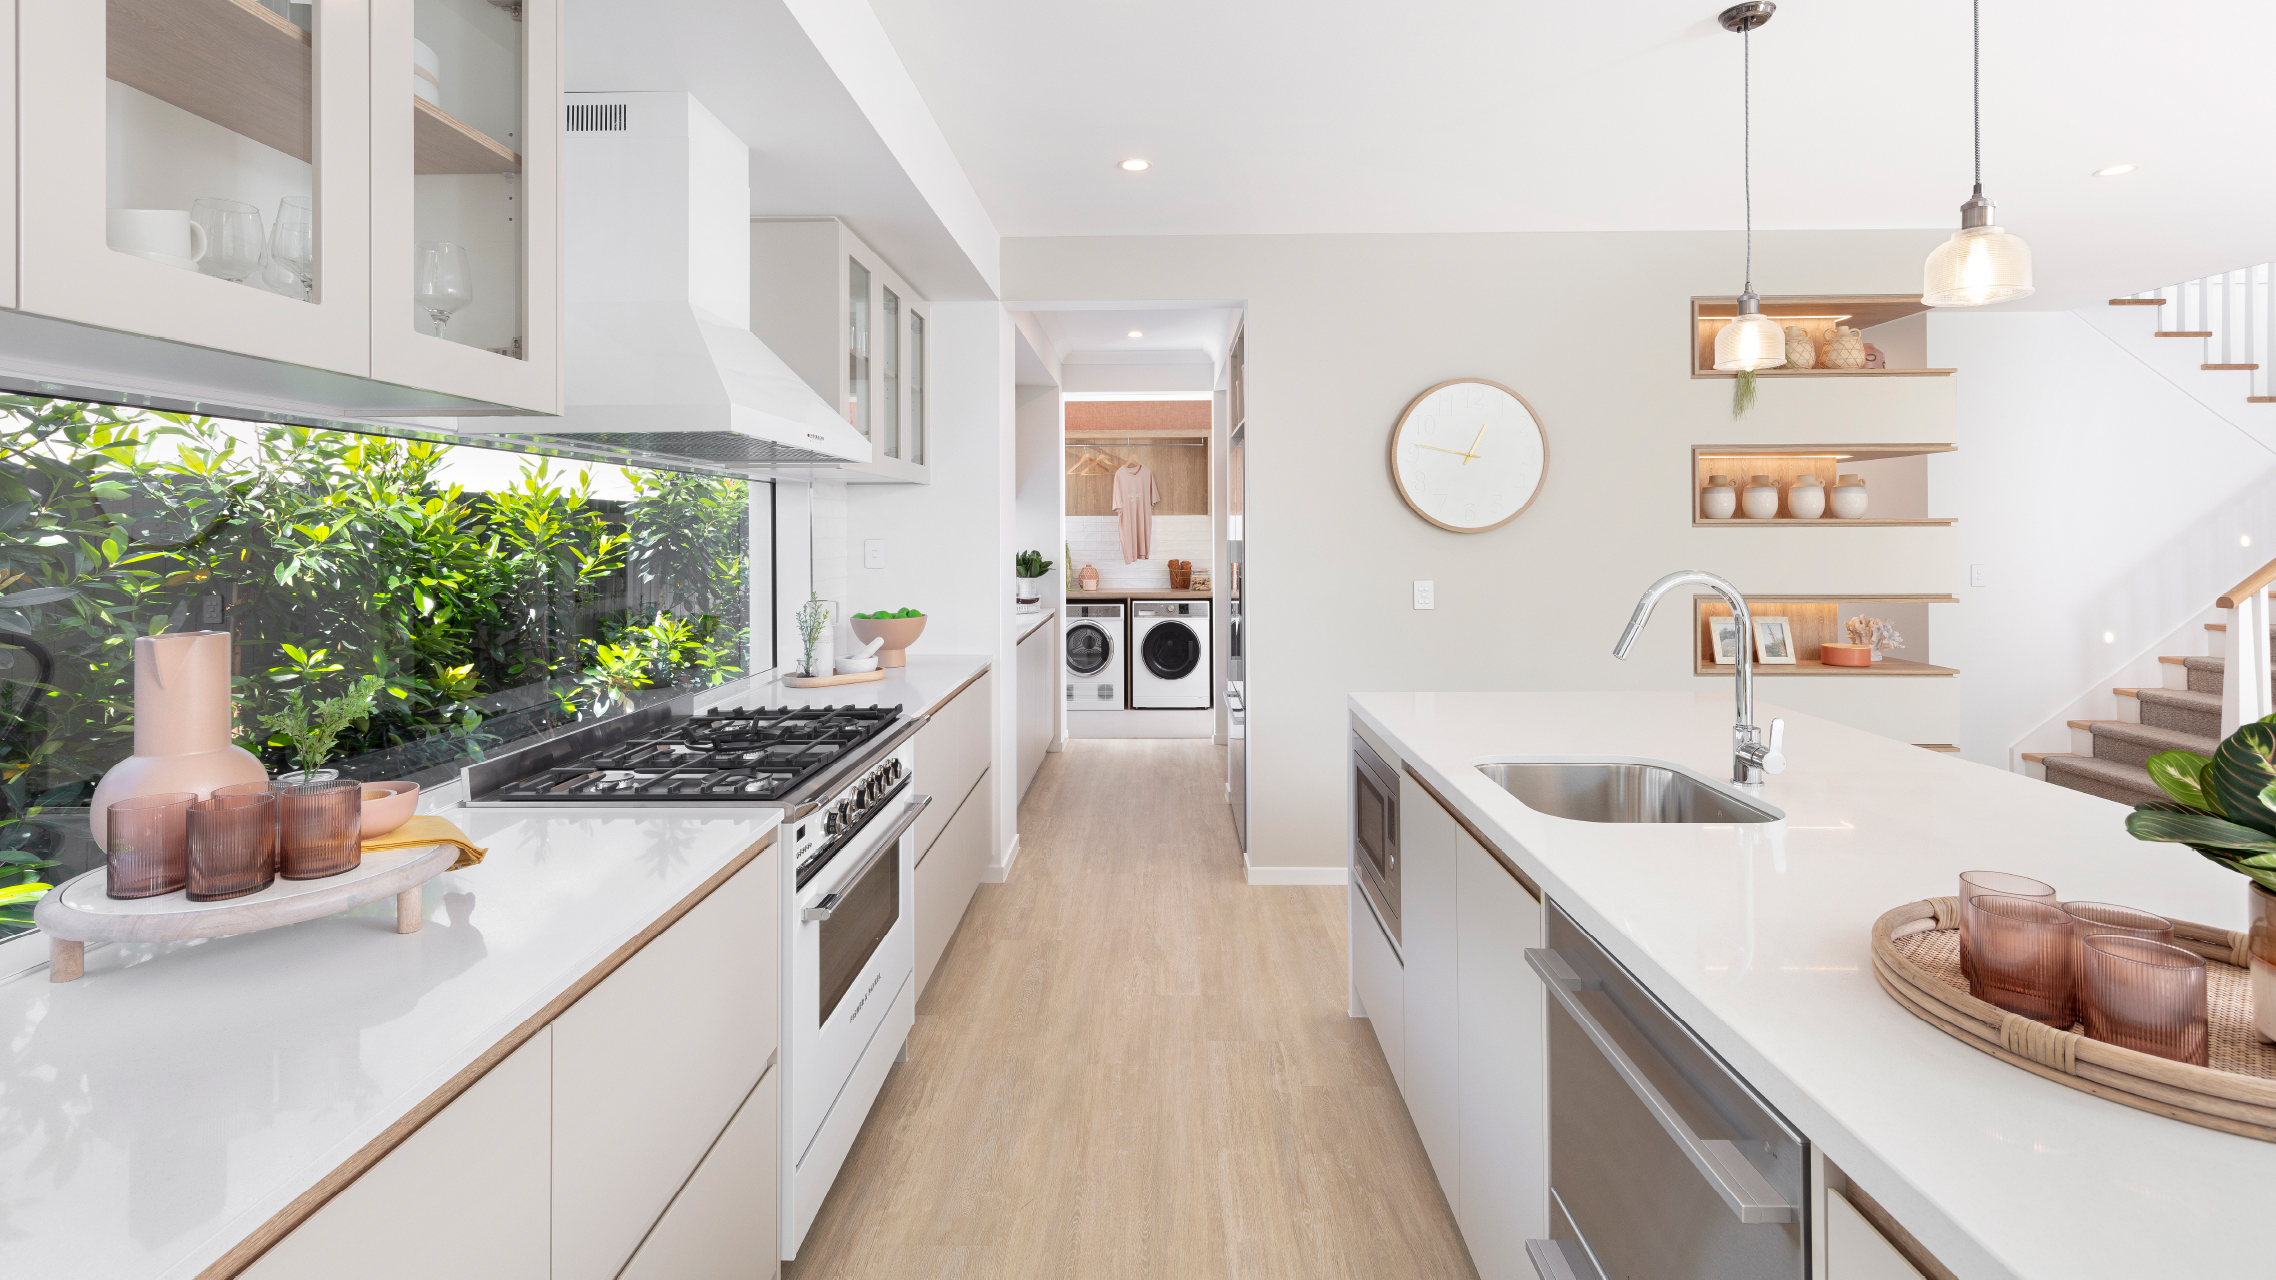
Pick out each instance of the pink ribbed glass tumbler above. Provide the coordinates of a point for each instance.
(1973, 883)
(320, 828)
(149, 845)
(2145, 996)
(233, 846)
(2022, 956)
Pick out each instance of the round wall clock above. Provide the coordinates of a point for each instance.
(1468, 455)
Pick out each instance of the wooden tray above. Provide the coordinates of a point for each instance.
(817, 682)
(78, 911)
(1916, 957)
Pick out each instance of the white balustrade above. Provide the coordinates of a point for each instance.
(2237, 308)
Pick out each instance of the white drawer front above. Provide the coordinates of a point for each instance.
(952, 753)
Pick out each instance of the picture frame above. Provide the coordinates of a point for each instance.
(1774, 642)
(1724, 632)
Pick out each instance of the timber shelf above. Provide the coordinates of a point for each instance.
(1784, 462)
(1814, 312)
(1814, 620)
(235, 63)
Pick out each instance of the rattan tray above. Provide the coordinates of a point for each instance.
(1916, 956)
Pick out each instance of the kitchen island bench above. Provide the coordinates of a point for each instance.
(187, 1107)
(1756, 936)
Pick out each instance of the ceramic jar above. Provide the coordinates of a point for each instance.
(2260, 911)
(182, 725)
(1843, 349)
(1088, 578)
(1848, 497)
(1718, 501)
(1801, 353)
(1760, 501)
(1806, 500)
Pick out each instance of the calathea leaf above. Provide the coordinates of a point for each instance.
(2179, 774)
(2195, 830)
(2243, 766)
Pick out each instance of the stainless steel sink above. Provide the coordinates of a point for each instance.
(1618, 791)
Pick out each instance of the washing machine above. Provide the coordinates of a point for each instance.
(1169, 651)
(1092, 649)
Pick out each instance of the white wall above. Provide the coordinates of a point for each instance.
(1040, 474)
(948, 544)
(2102, 498)
(1593, 329)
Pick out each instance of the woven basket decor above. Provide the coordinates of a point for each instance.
(1916, 957)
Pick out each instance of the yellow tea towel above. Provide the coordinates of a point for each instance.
(427, 829)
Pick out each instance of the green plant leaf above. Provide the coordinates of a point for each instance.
(2180, 774)
(2243, 767)
(2199, 830)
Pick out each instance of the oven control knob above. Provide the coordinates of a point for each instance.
(830, 824)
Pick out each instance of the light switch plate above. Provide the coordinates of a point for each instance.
(873, 553)
(1426, 594)
(1979, 575)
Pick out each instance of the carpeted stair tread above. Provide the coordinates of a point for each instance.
(2182, 710)
(2126, 784)
(2153, 737)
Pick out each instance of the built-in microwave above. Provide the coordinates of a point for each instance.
(1375, 832)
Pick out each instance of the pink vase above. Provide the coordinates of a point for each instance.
(181, 725)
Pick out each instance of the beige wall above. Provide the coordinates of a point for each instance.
(1593, 330)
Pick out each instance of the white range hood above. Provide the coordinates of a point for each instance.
(656, 241)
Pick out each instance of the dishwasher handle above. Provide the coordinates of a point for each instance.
(1743, 1188)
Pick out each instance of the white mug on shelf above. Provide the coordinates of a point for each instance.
(161, 235)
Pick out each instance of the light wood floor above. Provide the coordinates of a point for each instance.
(1131, 1063)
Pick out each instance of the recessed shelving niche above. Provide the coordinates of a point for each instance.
(1815, 620)
(1813, 312)
(1905, 491)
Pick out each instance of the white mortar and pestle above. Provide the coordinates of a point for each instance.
(861, 660)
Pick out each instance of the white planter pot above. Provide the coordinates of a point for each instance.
(1718, 503)
(1030, 590)
(1806, 501)
(1761, 502)
(2260, 911)
(1849, 502)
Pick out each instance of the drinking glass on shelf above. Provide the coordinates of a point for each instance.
(293, 242)
(233, 237)
(2146, 996)
(233, 846)
(319, 828)
(444, 281)
(1973, 883)
(2091, 918)
(149, 845)
(2022, 956)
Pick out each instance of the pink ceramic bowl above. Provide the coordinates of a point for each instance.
(390, 810)
(898, 634)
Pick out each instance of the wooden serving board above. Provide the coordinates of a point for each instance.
(817, 682)
(79, 911)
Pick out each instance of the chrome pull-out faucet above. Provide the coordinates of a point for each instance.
(1751, 756)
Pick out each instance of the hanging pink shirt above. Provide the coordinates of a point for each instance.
(1134, 497)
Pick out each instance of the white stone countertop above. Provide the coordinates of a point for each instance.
(921, 688)
(1030, 623)
(1758, 938)
(166, 1105)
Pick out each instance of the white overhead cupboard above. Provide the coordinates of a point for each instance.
(854, 330)
(340, 204)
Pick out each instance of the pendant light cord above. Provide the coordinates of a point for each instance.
(1746, 143)
(1979, 80)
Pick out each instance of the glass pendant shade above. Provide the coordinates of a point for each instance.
(1752, 341)
(1977, 265)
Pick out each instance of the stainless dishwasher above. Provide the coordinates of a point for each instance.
(1663, 1163)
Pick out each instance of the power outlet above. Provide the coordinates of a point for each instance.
(1426, 594)
(1979, 575)
(873, 553)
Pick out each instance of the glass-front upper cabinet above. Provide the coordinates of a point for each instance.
(203, 172)
(465, 211)
(850, 326)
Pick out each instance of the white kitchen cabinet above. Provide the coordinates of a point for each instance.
(486, 1153)
(1429, 846)
(651, 1063)
(1856, 1249)
(1379, 982)
(313, 171)
(718, 1226)
(854, 330)
(952, 752)
(948, 875)
(1038, 699)
(1503, 1064)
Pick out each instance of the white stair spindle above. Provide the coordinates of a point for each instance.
(2245, 692)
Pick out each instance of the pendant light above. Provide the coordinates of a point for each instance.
(1981, 262)
(1753, 340)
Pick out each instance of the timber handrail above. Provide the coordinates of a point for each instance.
(2261, 579)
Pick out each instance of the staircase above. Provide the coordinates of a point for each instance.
(2233, 313)
(2196, 706)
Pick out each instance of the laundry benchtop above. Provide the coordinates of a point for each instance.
(1113, 594)
(171, 1102)
(922, 688)
(1757, 936)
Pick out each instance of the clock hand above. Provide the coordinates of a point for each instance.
(1474, 444)
(1456, 452)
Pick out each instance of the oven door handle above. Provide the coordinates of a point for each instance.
(1750, 1196)
(828, 904)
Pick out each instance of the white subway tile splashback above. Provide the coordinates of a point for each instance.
(1097, 541)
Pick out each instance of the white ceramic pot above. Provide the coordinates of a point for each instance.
(2260, 912)
(1806, 501)
(1760, 501)
(1848, 501)
(1030, 590)
(1718, 502)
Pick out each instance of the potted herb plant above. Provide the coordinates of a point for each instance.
(311, 728)
(2224, 807)
(1030, 566)
(813, 625)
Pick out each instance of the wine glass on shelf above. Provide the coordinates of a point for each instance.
(444, 282)
(233, 237)
(293, 242)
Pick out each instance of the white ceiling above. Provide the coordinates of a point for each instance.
(1528, 115)
(1185, 335)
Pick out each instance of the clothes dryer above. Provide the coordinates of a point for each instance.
(1169, 651)
(1092, 648)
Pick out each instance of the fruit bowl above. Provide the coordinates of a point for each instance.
(897, 633)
